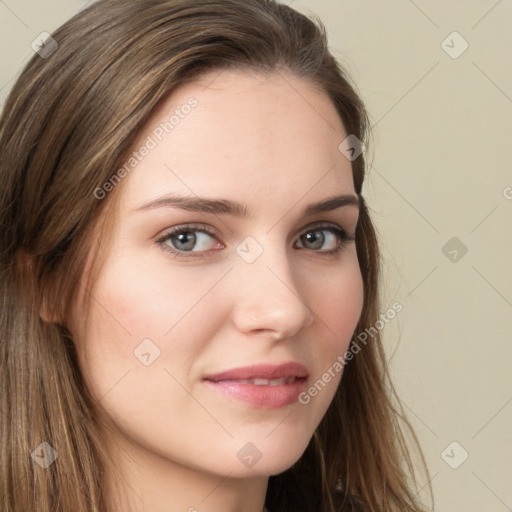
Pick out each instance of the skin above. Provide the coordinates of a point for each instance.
(271, 143)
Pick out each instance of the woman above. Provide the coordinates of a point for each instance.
(189, 270)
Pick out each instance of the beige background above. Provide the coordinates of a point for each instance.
(442, 138)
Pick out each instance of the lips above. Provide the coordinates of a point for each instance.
(261, 386)
(263, 371)
(267, 382)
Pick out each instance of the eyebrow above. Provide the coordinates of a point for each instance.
(226, 206)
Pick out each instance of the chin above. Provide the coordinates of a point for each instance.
(269, 456)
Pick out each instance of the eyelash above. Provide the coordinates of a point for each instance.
(343, 238)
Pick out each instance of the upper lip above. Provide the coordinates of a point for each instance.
(261, 371)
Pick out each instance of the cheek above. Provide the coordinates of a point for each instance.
(338, 303)
(149, 315)
(153, 299)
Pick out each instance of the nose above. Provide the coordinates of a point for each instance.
(269, 299)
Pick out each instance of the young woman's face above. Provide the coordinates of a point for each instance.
(201, 340)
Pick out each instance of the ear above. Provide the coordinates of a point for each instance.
(26, 265)
(46, 313)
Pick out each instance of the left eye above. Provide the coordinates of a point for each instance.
(192, 239)
(185, 240)
(317, 238)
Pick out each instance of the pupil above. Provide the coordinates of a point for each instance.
(187, 240)
(317, 239)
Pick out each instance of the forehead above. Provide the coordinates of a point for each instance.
(237, 133)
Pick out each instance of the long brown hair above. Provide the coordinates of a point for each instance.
(66, 127)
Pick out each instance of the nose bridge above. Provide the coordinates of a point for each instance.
(269, 297)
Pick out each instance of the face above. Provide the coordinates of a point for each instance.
(209, 320)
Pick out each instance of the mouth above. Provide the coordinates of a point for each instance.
(261, 386)
(266, 382)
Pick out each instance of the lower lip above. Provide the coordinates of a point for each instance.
(263, 397)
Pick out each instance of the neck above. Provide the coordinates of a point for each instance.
(145, 481)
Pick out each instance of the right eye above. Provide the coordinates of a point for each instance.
(181, 240)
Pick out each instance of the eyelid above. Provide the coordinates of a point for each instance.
(325, 224)
(205, 228)
(344, 236)
(202, 228)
